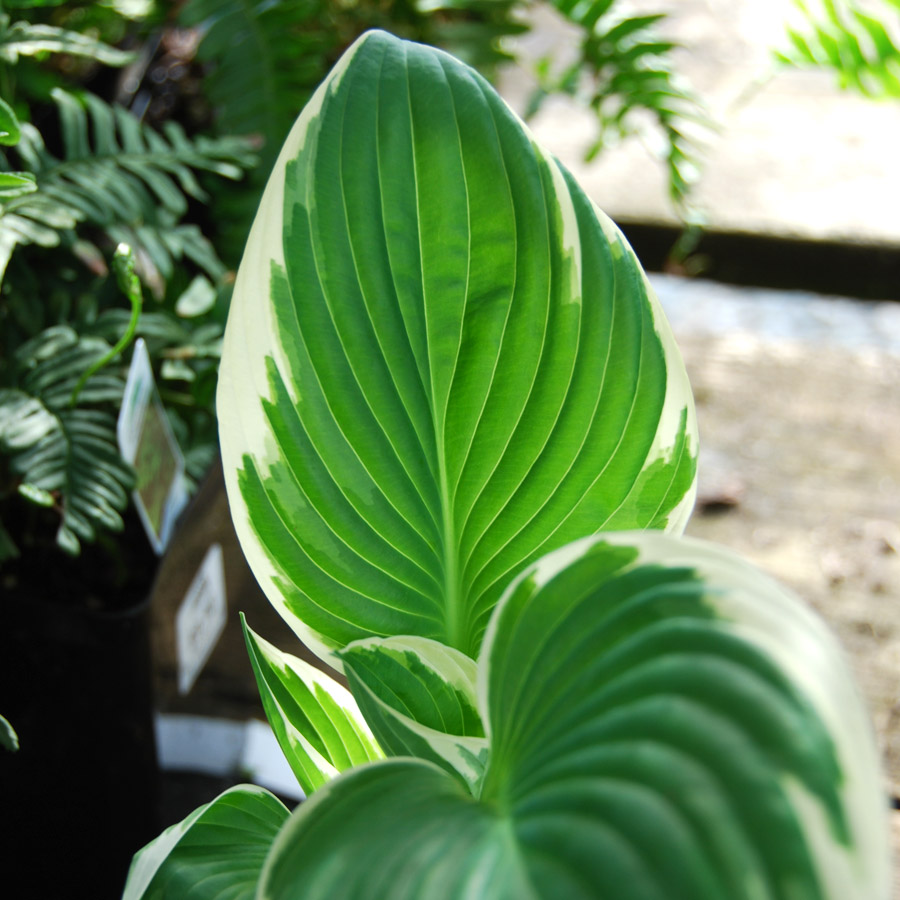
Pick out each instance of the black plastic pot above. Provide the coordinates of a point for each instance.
(80, 797)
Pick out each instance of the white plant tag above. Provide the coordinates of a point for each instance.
(200, 619)
(147, 443)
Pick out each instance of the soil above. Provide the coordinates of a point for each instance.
(800, 473)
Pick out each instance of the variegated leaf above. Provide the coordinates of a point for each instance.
(665, 723)
(316, 721)
(419, 698)
(441, 361)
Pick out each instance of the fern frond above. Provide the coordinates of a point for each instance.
(625, 72)
(67, 454)
(9, 125)
(25, 39)
(123, 177)
(861, 48)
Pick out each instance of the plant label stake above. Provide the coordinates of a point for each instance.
(200, 619)
(147, 443)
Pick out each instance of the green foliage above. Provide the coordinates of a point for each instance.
(130, 285)
(9, 125)
(860, 46)
(91, 177)
(265, 58)
(436, 371)
(26, 39)
(9, 740)
(224, 842)
(624, 71)
(461, 362)
(60, 455)
(639, 748)
(185, 342)
(121, 177)
(315, 719)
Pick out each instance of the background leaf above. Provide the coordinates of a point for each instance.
(624, 73)
(66, 455)
(441, 361)
(26, 39)
(9, 125)
(860, 44)
(123, 177)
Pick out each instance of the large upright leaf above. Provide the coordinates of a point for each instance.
(664, 723)
(441, 361)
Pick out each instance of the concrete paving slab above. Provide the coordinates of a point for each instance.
(794, 155)
(696, 307)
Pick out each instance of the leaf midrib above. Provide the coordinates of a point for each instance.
(454, 624)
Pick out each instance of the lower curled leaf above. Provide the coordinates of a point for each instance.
(218, 851)
(401, 829)
(664, 722)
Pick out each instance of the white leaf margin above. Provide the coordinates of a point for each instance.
(151, 858)
(250, 328)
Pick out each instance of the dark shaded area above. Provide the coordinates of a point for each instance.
(110, 574)
(826, 267)
(80, 796)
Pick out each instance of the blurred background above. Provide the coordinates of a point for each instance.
(747, 148)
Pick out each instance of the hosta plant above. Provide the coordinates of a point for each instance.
(460, 447)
